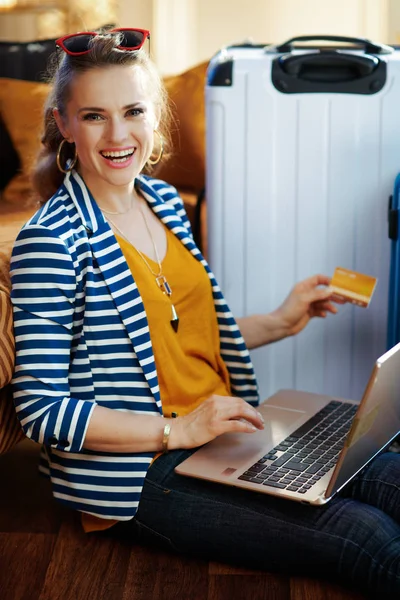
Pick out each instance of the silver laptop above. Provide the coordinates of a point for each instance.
(312, 445)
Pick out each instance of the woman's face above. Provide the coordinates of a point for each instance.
(111, 119)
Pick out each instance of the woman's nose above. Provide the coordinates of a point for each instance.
(118, 130)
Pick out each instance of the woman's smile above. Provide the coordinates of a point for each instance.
(118, 158)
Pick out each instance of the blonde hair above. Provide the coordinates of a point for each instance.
(104, 52)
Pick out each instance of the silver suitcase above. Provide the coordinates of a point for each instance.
(303, 147)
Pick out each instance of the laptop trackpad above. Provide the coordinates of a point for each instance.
(239, 448)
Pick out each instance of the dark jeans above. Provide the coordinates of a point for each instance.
(354, 539)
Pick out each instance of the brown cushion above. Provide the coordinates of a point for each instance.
(7, 345)
(10, 429)
(5, 255)
(186, 168)
(21, 108)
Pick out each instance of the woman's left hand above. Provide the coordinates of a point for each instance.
(306, 300)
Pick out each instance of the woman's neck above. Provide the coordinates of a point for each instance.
(113, 199)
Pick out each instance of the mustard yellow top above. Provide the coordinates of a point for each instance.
(189, 364)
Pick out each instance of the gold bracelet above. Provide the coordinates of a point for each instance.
(167, 431)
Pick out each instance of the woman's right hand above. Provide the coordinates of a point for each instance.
(216, 415)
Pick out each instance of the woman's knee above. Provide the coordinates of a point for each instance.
(370, 553)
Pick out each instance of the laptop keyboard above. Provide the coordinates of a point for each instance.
(300, 460)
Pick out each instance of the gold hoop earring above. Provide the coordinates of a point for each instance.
(161, 152)
(58, 158)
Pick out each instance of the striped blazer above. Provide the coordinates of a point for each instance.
(82, 338)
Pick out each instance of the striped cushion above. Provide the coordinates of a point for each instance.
(10, 429)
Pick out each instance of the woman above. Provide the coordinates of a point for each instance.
(126, 347)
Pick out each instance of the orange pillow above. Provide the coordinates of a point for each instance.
(186, 168)
(10, 429)
(7, 344)
(21, 107)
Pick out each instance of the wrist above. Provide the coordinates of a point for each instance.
(165, 439)
(175, 441)
(276, 325)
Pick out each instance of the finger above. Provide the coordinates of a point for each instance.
(319, 279)
(239, 426)
(318, 295)
(323, 280)
(319, 314)
(325, 306)
(244, 411)
(331, 308)
(338, 299)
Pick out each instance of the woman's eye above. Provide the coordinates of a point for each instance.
(92, 117)
(135, 112)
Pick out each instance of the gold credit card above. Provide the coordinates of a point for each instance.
(352, 286)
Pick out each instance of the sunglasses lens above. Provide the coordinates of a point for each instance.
(131, 39)
(77, 43)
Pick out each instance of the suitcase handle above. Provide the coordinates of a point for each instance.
(329, 66)
(369, 47)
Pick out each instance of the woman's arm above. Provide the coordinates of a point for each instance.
(43, 295)
(259, 330)
(309, 298)
(114, 431)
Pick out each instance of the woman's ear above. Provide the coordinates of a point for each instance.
(61, 125)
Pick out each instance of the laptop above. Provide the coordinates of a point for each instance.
(312, 445)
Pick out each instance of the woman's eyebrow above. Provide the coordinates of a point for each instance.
(92, 108)
(98, 109)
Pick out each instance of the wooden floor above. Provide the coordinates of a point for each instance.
(44, 555)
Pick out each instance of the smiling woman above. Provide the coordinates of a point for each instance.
(136, 105)
(114, 138)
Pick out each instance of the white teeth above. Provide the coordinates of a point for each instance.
(120, 160)
(119, 154)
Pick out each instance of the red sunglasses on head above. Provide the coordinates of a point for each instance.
(77, 44)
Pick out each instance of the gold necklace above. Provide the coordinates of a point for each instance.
(122, 212)
(161, 280)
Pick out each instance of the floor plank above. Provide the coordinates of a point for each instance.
(278, 586)
(216, 568)
(24, 558)
(303, 588)
(28, 504)
(85, 567)
(261, 586)
(155, 575)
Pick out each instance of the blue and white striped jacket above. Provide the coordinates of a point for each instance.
(82, 338)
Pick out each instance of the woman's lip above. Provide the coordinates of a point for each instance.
(119, 165)
(120, 149)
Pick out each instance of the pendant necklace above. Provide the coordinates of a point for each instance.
(161, 280)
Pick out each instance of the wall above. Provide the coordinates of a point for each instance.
(186, 32)
(394, 21)
(46, 19)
